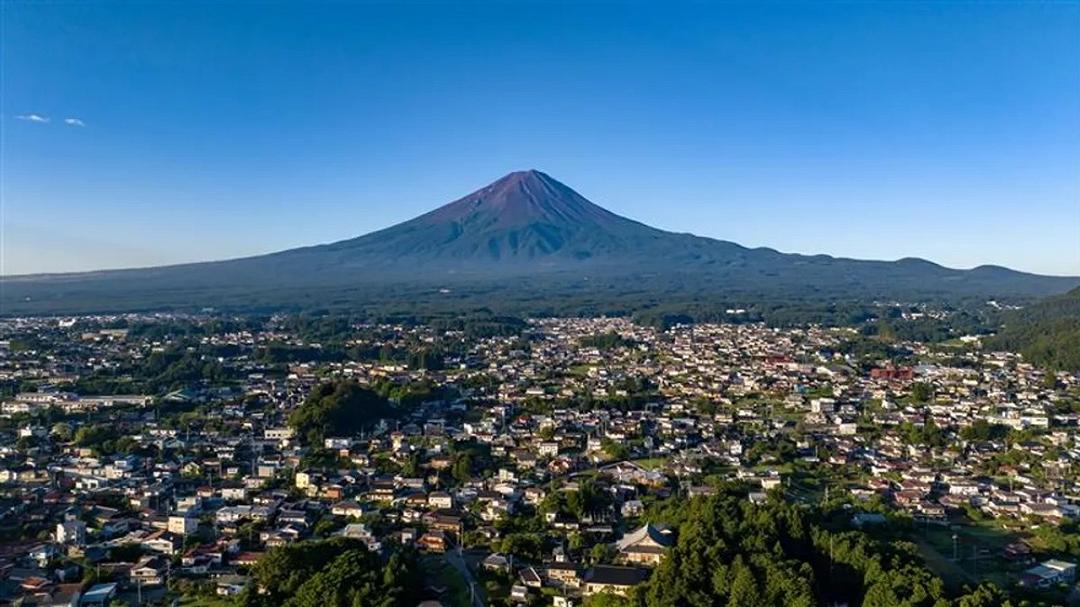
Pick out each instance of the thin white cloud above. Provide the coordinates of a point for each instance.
(33, 118)
(74, 122)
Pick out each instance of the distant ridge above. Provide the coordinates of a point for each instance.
(523, 229)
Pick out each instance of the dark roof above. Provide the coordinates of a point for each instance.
(616, 576)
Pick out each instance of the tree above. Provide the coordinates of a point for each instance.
(338, 572)
(985, 595)
(411, 467)
(61, 431)
(982, 430)
(462, 469)
(602, 553)
(606, 599)
(341, 407)
(614, 450)
(734, 553)
(355, 578)
(744, 588)
(922, 392)
(524, 545)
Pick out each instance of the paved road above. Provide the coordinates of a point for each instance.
(454, 558)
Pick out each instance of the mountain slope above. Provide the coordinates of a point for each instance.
(525, 233)
(1047, 333)
(524, 217)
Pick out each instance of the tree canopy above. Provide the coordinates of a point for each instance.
(734, 553)
(342, 407)
(331, 573)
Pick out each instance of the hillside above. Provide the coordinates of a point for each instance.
(1047, 333)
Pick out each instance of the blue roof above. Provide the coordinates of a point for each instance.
(99, 592)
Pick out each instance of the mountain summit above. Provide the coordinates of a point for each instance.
(521, 199)
(526, 215)
(525, 236)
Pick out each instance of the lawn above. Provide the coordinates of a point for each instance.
(978, 551)
(651, 463)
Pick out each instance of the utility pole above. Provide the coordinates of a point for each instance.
(955, 546)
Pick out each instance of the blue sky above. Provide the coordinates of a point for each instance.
(949, 131)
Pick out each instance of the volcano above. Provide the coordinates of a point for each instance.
(525, 220)
(520, 231)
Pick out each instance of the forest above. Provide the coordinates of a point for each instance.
(337, 572)
(735, 553)
(1047, 333)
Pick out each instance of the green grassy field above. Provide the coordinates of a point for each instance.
(977, 552)
(651, 463)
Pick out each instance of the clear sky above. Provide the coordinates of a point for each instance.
(138, 134)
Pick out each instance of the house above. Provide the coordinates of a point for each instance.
(440, 499)
(519, 593)
(347, 508)
(382, 491)
(308, 479)
(495, 562)
(183, 525)
(613, 579)
(531, 578)
(646, 546)
(247, 559)
(61, 595)
(433, 541)
(563, 574)
(71, 532)
(632, 508)
(230, 585)
(98, 594)
(1049, 573)
(162, 542)
(359, 531)
(548, 449)
(149, 570)
(447, 521)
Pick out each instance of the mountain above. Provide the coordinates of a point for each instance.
(525, 236)
(524, 221)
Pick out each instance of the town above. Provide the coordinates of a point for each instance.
(169, 459)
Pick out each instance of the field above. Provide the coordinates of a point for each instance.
(973, 555)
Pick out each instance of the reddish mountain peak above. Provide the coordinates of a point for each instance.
(522, 198)
(521, 187)
(522, 176)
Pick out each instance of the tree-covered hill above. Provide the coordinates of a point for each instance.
(731, 552)
(1047, 333)
(332, 573)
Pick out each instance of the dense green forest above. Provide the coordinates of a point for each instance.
(1047, 333)
(332, 573)
(343, 407)
(605, 341)
(731, 552)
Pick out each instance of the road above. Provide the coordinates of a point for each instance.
(455, 559)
